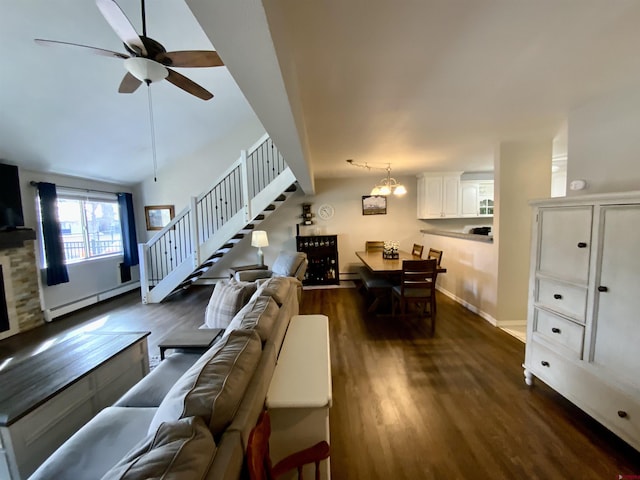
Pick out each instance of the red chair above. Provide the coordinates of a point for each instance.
(259, 461)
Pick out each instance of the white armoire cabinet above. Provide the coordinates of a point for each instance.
(583, 333)
(438, 195)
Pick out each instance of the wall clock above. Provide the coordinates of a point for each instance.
(325, 211)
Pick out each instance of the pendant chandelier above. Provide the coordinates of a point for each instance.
(385, 186)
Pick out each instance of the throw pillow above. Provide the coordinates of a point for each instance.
(180, 450)
(214, 386)
(259, 314)
(276, 287)
(288, 263)
(228, 297)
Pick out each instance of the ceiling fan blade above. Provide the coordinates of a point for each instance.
(84, 48)
(115, 17)
(190, 58)
(187, 85)
(129, 84)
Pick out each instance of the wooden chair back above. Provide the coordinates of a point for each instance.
(259, 462)
(417, 250)
(417, 287)
(418, 275)
(374, 245)
(437, 254)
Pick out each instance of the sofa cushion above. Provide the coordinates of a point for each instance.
(275, 287)
(259, 314)
(213, 387)
(227, 298)
(90, 452)
(287, 263)
(150, 391)
(178, 450)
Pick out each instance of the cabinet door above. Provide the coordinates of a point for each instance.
(432, 207)
(469, 198)
(617, 316)
(422, 200)
(450, 195)
(565, 242)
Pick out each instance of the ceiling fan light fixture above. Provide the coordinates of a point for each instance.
(146, 70)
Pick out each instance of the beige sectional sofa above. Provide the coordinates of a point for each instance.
(190, 418)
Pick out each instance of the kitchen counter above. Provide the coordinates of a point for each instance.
(464, 236)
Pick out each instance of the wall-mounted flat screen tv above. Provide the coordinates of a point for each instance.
(10, 201)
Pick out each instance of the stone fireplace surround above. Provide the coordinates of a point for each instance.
(20, 276)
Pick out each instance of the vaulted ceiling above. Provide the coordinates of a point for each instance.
(423, 84)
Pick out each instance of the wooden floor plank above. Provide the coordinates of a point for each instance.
(407, 405)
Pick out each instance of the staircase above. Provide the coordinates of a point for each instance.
(204, 232)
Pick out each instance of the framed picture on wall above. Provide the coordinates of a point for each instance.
(158, 216)
(374, 205)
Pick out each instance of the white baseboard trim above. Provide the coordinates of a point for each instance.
(512, 323)
(469, 306)
(55, 312)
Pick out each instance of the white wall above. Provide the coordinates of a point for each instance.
(471, 276)
(193, 174)
(86, 279)
(523, 172)
(352, 228)
(604, 144)
(471, 266)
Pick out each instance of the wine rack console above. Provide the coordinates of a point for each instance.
(322, 253)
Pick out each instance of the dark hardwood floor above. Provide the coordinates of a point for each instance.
(407, 405)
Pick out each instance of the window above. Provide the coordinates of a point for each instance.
(90, 226)
(485, 196)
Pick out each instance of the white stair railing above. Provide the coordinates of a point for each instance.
(196, 233)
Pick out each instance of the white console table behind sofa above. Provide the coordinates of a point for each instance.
(299, 396)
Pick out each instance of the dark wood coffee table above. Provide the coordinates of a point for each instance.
(190, 340)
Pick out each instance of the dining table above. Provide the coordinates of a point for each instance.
(391, 268)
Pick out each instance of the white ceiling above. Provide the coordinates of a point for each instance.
(423, 84)
(60, 109)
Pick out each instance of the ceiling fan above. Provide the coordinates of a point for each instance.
(147, 60)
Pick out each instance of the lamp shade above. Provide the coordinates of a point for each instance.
(259, 238)
(399, 190)
(145, 69)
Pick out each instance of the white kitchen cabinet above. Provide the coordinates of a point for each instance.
(583, 327)
(476, 198)
(438, 195)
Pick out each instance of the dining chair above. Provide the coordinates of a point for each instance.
(437, 254)
(376, 285)
(259, 461)
(417, 288)
(417, 250)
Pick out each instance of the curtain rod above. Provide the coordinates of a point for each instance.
(35, 184)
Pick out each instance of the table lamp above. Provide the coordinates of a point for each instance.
(259, 239)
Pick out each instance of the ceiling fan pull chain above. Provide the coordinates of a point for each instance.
(153, 134)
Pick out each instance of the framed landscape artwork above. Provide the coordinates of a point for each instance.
(158, 216)
(374, 205)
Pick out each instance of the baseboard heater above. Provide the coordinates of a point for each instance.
(55, 312)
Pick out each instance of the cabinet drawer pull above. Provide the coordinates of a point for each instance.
(557, 296)
(622, 414)
(555, 330)
(544, 363)
(602, 289)
(582, 245)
